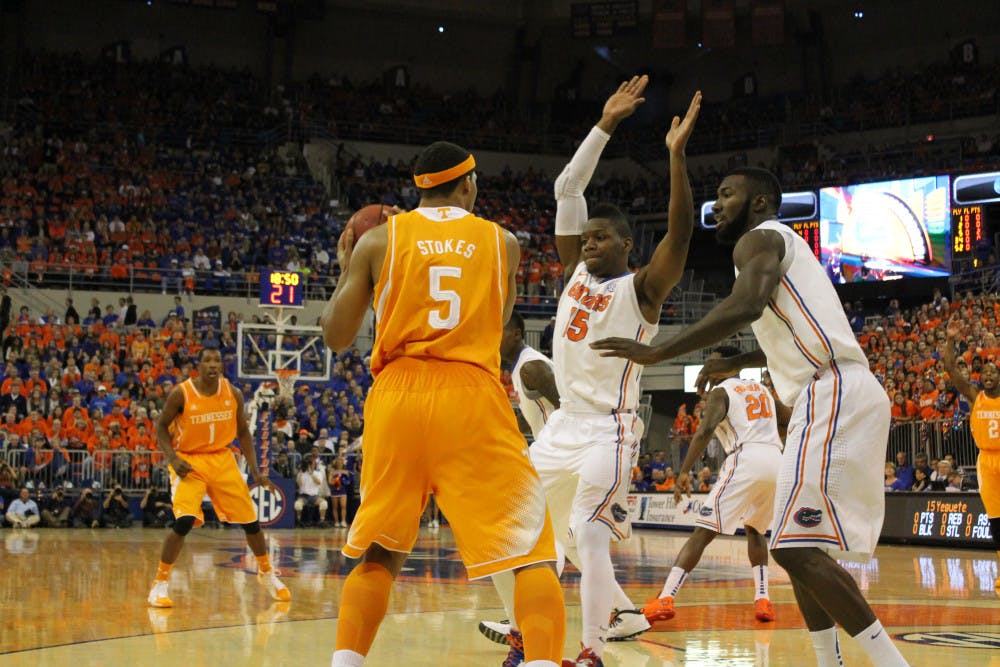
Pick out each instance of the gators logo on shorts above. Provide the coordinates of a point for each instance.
(619, 513)
(807, 517)
(705, 510)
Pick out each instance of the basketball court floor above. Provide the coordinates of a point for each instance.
(78, 598)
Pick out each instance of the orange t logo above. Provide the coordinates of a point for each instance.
(443, 211)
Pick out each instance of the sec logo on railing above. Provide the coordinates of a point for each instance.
(270, 504)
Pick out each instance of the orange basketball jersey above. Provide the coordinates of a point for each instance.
(441, 291)
(985, 422)
(206, 423)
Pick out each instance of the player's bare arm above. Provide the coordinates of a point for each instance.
(954, 331)
(571, 207)
(172, 407)
(359, 268)
(654, 281)
(538, 376)
(513, 259)
(716, 409)
(246, 442)
(758, 256)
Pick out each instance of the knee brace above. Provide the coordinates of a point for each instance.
(251, 528)
(183, 525)
(299, 504)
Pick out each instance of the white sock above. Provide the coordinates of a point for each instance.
(345, 658)
(504, 583)
(878, 646)
(762, 654)
(759, 582)
(593, 542)
(827, 648)
(674, 582)
(539, 663)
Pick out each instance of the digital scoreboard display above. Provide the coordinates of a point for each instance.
(809, 231)
(946, 519)
(281, 289)
(968, 228)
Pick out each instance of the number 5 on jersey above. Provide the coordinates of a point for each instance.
(576, 330)
(452, 302)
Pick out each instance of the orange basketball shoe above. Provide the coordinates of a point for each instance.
(763, 610)
(278, 590)
(158, 596)
(659, 609)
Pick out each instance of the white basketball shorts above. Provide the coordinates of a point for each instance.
(831, 484)
(744, 493)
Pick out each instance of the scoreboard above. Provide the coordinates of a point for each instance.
(809, 231)
(968, 226)
(947, 519)
(281, 289)
(604, 19)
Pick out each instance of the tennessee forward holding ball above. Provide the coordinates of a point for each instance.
(443, 282)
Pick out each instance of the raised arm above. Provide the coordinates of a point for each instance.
(654, 281)
(758, 257)
(716, 409)
(571, 207)
(954, 331)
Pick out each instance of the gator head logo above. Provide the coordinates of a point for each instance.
(807, 517)
(705, 511)
(619, 513)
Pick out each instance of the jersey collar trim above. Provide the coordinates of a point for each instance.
(442, 213)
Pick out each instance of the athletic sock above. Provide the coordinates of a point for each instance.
(760, 582)
(163, 571)
(597, 576)
(541, 613)
(504, 583)
(674, 582)
(363, 602)
(347, 659)
(264, 563)
(539, 663)
(878, 646)
(827, 647)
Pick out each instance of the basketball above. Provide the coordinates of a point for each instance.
(368, 217)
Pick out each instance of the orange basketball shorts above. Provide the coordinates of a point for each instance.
(447, 428)
(988, 471)
(216, 474)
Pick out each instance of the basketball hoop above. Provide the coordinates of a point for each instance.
(286, 381)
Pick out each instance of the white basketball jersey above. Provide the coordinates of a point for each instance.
(750, 417)
(592, 308)
(534, 407)
(803, 328)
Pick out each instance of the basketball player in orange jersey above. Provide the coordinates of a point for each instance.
(200, 419)
(985, 424)
(443, 282)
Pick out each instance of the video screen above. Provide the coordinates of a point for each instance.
(886, 231)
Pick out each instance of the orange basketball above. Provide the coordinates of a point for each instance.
(368, 217)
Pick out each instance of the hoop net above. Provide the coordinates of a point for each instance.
(286, 381)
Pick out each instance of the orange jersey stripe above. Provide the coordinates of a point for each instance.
(441, 291)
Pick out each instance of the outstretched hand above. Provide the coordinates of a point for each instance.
(624, 101)
(954, 329)
(680, 130)
(713, 371)
(627, 349)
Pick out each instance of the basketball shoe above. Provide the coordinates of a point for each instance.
(158, 596)
(515, 656)
(495, 631)
(763, 610)
(270, 581)
(627, 624)
(587, 658)
(659, 609)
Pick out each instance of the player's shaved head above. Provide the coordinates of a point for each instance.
(726, 351)
(516, 322)
(761, 182)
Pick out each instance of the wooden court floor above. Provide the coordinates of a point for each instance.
(77, 598)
